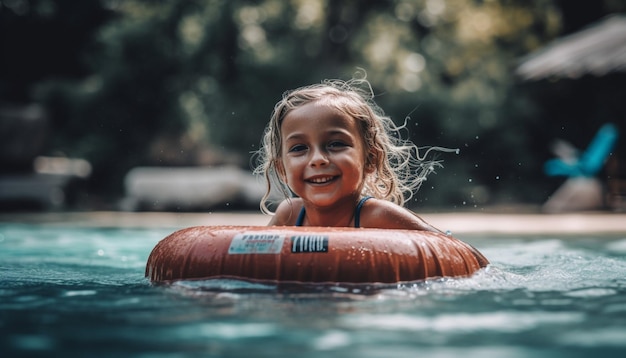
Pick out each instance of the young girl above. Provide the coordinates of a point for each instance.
(339, 161)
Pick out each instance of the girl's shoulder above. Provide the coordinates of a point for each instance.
(383, 214)
(287, 212)
(379, 210)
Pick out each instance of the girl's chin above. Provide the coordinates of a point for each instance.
(320, 200)
(325, 200)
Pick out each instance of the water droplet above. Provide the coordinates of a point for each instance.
(448, 232)
(497, 177)
(469, 180)
(458, 151)
(100, 252)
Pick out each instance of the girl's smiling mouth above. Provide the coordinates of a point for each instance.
(321, 179)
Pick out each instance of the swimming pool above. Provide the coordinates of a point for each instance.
(72, 291)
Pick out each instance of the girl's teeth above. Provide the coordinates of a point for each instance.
(321, 180)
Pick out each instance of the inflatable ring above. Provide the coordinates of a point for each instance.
(310, 255)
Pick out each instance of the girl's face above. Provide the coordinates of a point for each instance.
(323, 155)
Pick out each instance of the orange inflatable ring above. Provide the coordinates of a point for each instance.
(310, 255)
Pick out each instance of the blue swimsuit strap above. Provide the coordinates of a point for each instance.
(357, 213)
(300, 217)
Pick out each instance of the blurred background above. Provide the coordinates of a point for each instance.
(158, 105)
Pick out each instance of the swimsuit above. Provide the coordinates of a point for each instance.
(357, 213)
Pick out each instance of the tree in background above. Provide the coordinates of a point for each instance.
(170, 82)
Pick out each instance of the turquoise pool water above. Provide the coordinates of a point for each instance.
(81, 292)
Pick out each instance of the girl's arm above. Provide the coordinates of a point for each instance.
(286, 213)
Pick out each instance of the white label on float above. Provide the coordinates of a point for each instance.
(256, 243)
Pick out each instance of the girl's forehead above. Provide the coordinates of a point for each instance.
(318, 113)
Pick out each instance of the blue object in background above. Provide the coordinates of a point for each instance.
(591, 160)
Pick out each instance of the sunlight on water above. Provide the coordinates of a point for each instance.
(617, 247)
(463, 323)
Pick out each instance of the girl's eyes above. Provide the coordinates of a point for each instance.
(332, 145)
(336, 144)
(297, 148)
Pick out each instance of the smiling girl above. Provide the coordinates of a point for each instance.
(339, 161)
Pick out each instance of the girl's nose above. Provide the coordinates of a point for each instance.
(318, 157)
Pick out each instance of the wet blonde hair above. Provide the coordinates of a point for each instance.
(396, 170)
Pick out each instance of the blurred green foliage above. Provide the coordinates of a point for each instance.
(145, 82)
